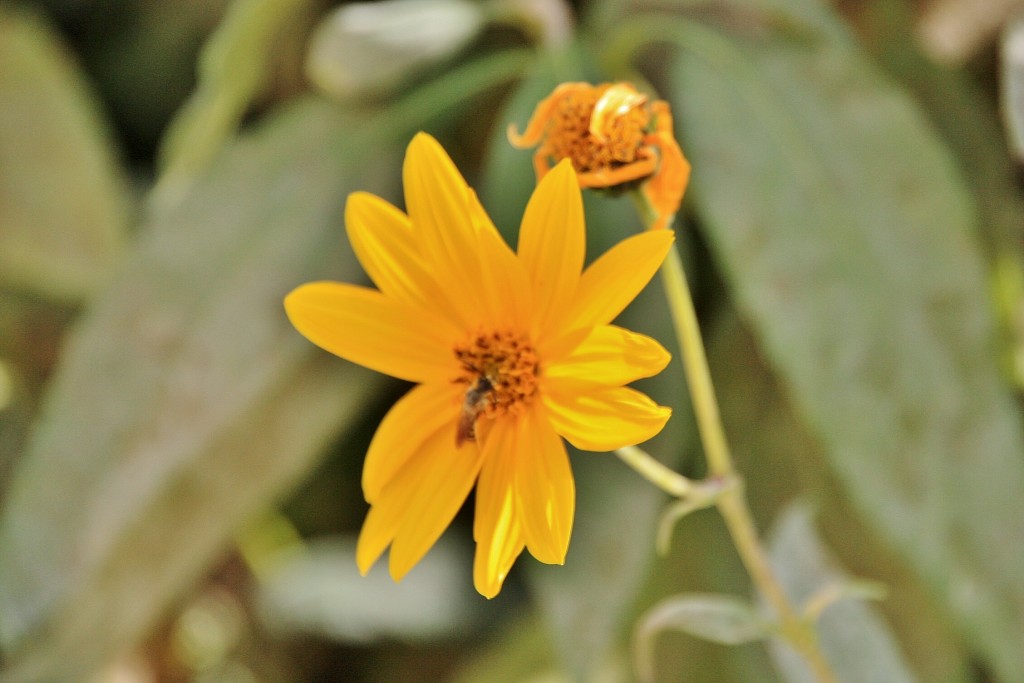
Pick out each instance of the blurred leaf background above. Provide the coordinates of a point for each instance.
(179, 469)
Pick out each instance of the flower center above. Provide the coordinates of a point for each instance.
(499, 370)
(570, 135)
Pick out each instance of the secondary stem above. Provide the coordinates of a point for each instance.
(653, 471)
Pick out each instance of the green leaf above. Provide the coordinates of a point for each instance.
(853, 254)
(855, 641)
(716, 618)
(722, 619)
(962, 110)
(63, 199)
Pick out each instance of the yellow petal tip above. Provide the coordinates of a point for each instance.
(365, 559)
(490, 589)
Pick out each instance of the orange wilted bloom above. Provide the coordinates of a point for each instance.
(512, 353)
(613, 135)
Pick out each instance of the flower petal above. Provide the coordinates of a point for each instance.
(386, 513)
(437, 199)
(496, 525)
(369, 328)
(427, 492)
(544, 487)
(386, 245)
(617, 276)
(603, 419)
(411, 421)
(505, 283)
(612, 356)
(665, 189)
(378, 531)
(540, 119)
(552, 243)
(606, 177)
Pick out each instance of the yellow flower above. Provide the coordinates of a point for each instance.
(613, 136)
(512, 352)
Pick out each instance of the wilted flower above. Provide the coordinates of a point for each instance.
(615, 137)
(512, 352)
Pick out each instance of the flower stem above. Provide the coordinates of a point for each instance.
(653, 471)
(695, 362)
(731, 502)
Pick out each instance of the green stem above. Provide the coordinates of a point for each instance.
(653, 471)
(731, 503)
(695, 362)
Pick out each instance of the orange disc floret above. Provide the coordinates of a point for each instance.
(500, 371)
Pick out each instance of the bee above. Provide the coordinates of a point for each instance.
(477, 397)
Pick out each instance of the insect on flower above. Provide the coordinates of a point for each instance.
(614, 136)
(476, 400)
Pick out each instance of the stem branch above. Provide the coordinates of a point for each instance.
(653, 471)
